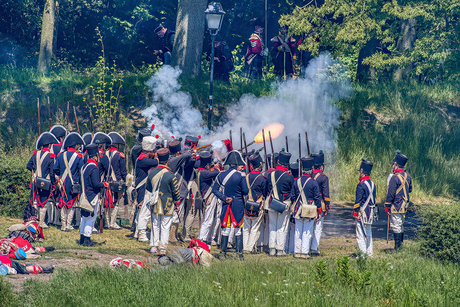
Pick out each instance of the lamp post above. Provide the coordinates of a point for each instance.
(214, 18)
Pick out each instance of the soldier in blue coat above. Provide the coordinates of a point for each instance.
(280, 183)
(117, 173)
(144, 163)
(67, 168)
(207, 174)
(323, 183)
(90, 197)
(41, 165)
(256, 184)
(54, 211)
(363, 210)
(230, 189)
(306, 209)
(398, 199)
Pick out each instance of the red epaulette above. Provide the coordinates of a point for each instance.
(35, 152)
(52, 155)
(122, 155)
(80, 155)
(142, 156)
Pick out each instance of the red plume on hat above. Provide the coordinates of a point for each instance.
(228, 144)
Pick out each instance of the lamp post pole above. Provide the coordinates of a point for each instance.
(211, 79)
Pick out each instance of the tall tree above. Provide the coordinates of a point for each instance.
(47, 36)
(188, 42)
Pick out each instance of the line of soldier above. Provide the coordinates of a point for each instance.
(280, 210)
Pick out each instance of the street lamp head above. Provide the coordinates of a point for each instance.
(214, 16)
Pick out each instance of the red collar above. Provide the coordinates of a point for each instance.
(255, 172)
(399, 170)
(113, 149)
(281, 168)
(306, 175)
(316, 171)
(72, 149)
(364, 178)
(201, 169)
(45, 149)
(101, 150)
(163, 166)
(142, 156)
(92, 161)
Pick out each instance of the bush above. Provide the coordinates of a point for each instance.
(14, 182)
(440, 236)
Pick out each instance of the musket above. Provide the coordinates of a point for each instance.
(300, 156)
(287, 144)
(126, 144)
(49, 112)
(241, 137)
(273, 151)
(76, 119)
(101, 214)
(90, 119)
(247, 157)
(265, 149)
(68, 121)
(231, 140)
(38, 107)
(361, 223)
(308, 145)
(201, 147)
(246, 146)
(388, 227)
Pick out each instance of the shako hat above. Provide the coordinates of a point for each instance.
(46, 138)
(284, 157)
(294, 169)
(205, 158)
(234, 158)
(191, 141)
(400, 159)
(72, 139)
(149, 143)
(319, 158)
(366, 166)
(101, 138)
(174, 146)
(143, 133)
(159, 28)
(116, 138)
(58, 131)
(307, 163)
(256, 160)
(92, 150)
(163, 154)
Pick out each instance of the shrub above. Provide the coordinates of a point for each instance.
(440, 236)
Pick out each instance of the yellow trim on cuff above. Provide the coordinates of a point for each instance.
(356, 206)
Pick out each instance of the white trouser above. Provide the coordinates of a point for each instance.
(264, 231)
(318, 230)
(176, 215)
(290, 238)
(87, 223)
(161, 227)
(227, 231)
(211, 218)
(397, 222)
(278, 223)
(251, 231)
(364, 244)
(143, 217)
(303, 235)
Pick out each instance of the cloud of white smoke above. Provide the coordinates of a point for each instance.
(302, 105)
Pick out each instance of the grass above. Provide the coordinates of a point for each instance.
(384, 281)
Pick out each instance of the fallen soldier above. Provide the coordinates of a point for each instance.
(12, 267)
(29, 231)
(197, 253)
(11, 246)
(128, 263)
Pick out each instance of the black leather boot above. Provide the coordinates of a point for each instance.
(88, 243)
(48, 269)
(397, 237)
(239, 246)
(82, 239)
(223, 246)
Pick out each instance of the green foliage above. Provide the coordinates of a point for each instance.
(345, 27)
(440, 234)
(321, 272)
(105, 95)
(14, 188)
(356, 279)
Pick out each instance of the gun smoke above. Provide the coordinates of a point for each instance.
(302, 104)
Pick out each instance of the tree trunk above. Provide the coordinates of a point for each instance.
(365, 73)
(406, 42)
(47, 36)
(188, 41)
